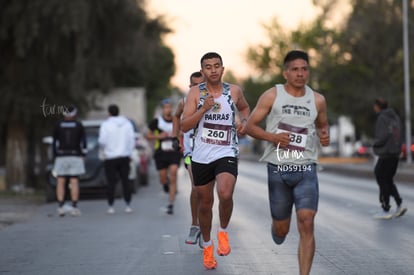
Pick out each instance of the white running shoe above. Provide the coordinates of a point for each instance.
(128, 209)
(384, 215)
(193, 235)
(400, 211)
(75, 212)
(110, 210)
(61, 211)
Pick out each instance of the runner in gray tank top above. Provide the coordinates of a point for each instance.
(296, 122)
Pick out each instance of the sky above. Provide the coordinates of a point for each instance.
(227, 27)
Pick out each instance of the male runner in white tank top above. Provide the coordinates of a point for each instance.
(210, 108)
(166, 151)
(193, 237)
(296, 122)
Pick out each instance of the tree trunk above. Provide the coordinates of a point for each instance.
(16, 157)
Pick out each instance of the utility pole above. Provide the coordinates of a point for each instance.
(407, 82)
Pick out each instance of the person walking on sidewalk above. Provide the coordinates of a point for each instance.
(69, 148)
(117, 141)
(167, 153)
(210, 108)
(387, 146)
(195, 79)
(296, 122)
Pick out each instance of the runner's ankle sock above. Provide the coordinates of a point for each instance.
(207, 244)
(74, 204)
(61, 203)
(222, 229)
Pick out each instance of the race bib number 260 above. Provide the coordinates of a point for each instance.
(216, 134)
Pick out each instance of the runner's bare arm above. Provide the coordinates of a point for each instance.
(262, 109)
(321, 122)
(243, 108)
(150, 135)
(192, 115)
(241, 104)
(177, 118)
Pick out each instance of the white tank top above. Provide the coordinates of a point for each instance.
(188, 140)
(296, 115)
(188, 143)
(165, 126)
(215, 135)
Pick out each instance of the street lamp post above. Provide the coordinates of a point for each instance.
(406, 82)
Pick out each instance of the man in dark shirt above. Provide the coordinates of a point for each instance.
(387, 146)
(69, 148)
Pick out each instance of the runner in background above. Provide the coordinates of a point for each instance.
(167, 154)
(195, 79)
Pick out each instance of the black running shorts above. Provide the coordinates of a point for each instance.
(205, 173)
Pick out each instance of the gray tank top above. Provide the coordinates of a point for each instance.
(295, 115)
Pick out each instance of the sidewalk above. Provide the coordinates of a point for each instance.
(17, 208)
(360, 167)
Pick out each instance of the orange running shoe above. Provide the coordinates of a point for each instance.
(208, 257)
(223, 244)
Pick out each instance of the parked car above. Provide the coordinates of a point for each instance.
(332, 150)
(142, 155)
(404, 149)
(363, 149)
(93, 182)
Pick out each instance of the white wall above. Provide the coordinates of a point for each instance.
(131, 102)
(346, 136)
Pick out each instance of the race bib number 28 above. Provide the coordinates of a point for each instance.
(298, 136)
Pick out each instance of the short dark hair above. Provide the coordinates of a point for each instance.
(196, 74)
(113, 110)
(293, 55)
(381, 103)
(210, 55)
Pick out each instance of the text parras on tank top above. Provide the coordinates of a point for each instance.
(216, 135)
(208, 116)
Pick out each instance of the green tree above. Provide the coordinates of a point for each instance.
(54, 52)
(266, 58)
(351, 64)
(372, 42)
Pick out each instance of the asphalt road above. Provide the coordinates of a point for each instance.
(148, 241)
